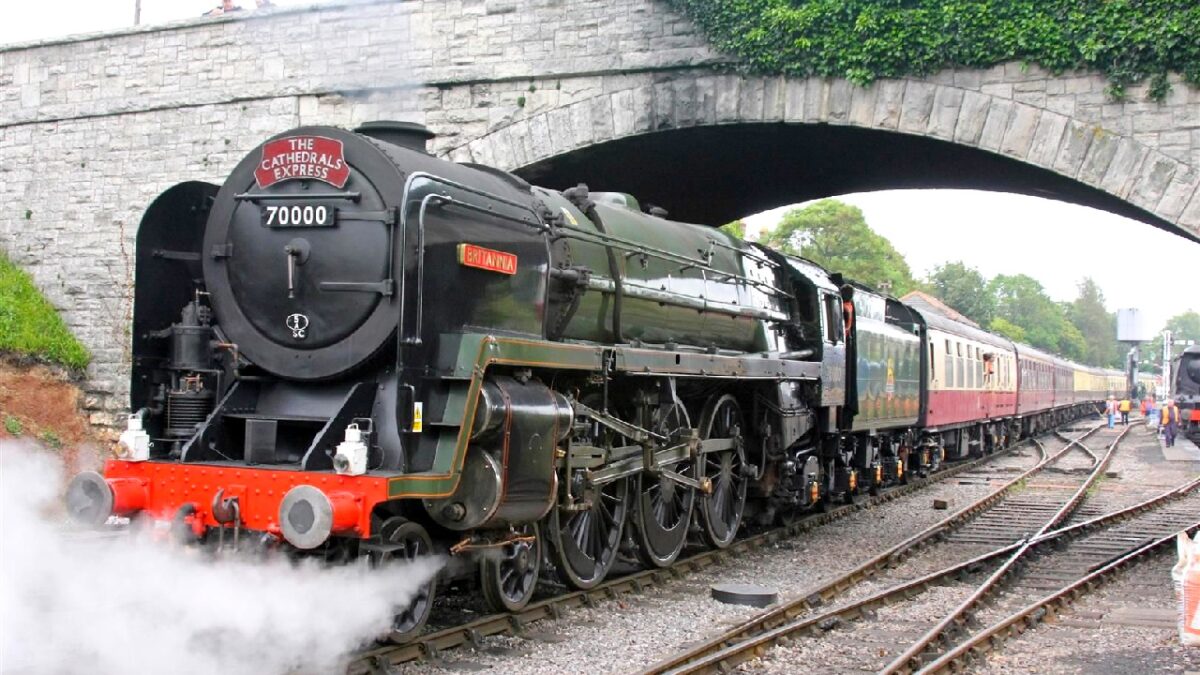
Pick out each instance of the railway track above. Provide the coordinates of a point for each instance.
(430, 646)
(850, 618)
(1052, 582)
(870, 628)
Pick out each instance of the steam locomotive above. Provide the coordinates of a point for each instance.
(352, 349)
(1186, 390)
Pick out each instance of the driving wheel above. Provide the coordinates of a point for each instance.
(721, 510)
(663, 508)
(583, 540)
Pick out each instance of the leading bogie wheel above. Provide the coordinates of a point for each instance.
(509, 575)
(721, 510)
(406, 541)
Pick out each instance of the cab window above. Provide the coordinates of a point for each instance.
(833, 318)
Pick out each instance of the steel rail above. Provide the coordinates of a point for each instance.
(776, 616)
(1082, 447)
(430, 646)
(910, 660)
(1017, 622)
(752, 647)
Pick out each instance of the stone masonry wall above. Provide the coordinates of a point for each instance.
(93, 128)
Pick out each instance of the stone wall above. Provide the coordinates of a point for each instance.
(93, 128)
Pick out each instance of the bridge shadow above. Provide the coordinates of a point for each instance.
(715, 174)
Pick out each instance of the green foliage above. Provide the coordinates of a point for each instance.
(863, 40)
(29, 325)
(964, 289)
(1002, 326)
(1096, 324)
(735, 229)
(51, 439)
(1022, 302)
(1018, 308)
(1185, 326)
(13, 425)
(836, 236)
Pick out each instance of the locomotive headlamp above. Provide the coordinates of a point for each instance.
(91, 498)
(351, 456)
(307, 516)
(134, 443)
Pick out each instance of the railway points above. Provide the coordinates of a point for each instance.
(862, 634)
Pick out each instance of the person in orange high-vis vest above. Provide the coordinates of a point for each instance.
(1170, 422)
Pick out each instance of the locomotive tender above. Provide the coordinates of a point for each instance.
(354, 349)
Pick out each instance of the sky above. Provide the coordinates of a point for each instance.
(28, 20)
(1135, 264)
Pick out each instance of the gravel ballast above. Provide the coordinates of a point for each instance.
(631, 633)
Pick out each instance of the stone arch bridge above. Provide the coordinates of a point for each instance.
(621, 94)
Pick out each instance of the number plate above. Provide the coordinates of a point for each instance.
(299, 215)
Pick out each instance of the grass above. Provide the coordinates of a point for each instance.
(1019, 487)
(51, 439)
(29, 324)
(13, 425)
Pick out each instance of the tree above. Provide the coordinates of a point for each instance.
(1096, 325)
(735, 229)
(965, 289)
(1185, 326)
(1002, 326)
(836, 236)
(1021, 301)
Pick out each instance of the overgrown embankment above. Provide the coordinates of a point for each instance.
(29, 325)
(41, 365)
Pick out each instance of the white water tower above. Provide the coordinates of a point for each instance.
(1133, 328)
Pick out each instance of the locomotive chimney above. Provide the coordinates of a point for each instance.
(409, 135)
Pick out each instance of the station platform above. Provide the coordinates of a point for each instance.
(1184, 450)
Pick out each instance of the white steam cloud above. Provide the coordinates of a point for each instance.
(76, 604)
